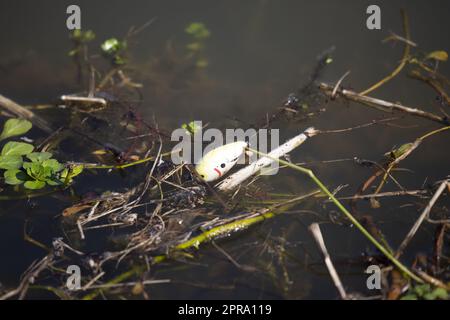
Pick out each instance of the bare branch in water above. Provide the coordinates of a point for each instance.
(24, 113)
(419, 221)
(317, 234)
(391, 106)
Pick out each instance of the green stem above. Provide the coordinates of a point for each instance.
(193, 242)
(352, 219)
(122, 277)
(205, 236)
(126, 165)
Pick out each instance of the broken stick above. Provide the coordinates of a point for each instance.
(374, 102)
(22, 112)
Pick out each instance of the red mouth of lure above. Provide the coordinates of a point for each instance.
(218, 172)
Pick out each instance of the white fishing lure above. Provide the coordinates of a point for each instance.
(219, 161)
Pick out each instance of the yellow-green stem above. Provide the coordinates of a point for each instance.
(352, 219)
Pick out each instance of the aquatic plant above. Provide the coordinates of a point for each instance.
(191, 127)
(171, 212)
(79, 39)
(38, 169)
(113, 49)
(199, 34)
(15, 127)
(426, 292)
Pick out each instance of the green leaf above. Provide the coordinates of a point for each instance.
(14, 176)
(88, 35)
(201, 63)
(119, 60)
(438, 293)
(112, 46)
(15, 127)
(82, 36)
(46, 174)
(35, 170)
(76, 170)
(53, 164)
(13, 148)
(409, 297)
(198, 30)
(10, 162)
(73, 52)
(396, 153)
(39, 156)
(422, 289)
(53, 182)
(191, 127)
(194, 46)
(34, 184)
(68, 173)
(27, 165)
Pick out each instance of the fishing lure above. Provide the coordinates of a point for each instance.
(219, 161)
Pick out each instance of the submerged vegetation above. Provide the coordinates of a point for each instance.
(167, 212)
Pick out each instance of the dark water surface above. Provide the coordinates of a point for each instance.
(258, 52)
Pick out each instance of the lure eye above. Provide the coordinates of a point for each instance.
(222, 165)
(202, 175)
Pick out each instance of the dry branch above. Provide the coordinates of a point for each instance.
(433, 83)
(374, 102)
(419, 221)
(24, 113)
(315, 230)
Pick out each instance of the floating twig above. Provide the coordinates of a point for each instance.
(419, 221)
(395, 37)
(438, 245)
(432, 83)
(90, 100)
(432, 280)
(28, 278)
(24, 113)
(386, 194)
(317, 234)
(374, 102)
(337, 85)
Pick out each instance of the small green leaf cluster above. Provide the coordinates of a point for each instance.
(426, 292)
(398, 152)
(191, 127)
(114, 49)
(199, 34)
(198, 31)
(80, 38)
(34, 170)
